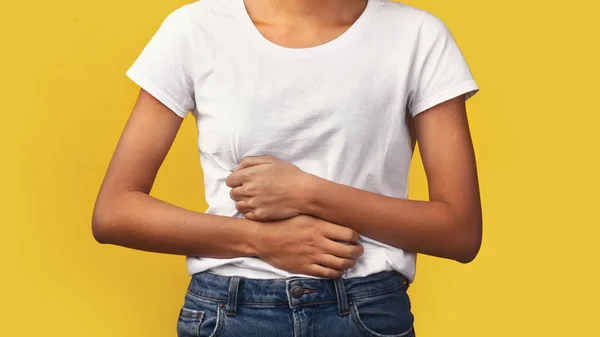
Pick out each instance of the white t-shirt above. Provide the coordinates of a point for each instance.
(336, 110)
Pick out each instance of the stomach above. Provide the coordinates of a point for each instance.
(377, 257)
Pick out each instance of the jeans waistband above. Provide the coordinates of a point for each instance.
(294, 292)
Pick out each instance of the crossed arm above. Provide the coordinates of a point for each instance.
(448, 226)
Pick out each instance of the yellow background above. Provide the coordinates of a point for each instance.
(64, 99)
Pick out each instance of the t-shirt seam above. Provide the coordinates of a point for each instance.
(159, 93)
(326, 49)
(422, 105)
(189, 43)
(425, 14)
(412, 69)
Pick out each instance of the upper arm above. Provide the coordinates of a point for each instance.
(448, 157)
(441, 82)
(164, 72)
(142, 148)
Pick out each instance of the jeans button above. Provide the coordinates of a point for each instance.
(297, 292)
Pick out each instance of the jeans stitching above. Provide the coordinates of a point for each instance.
(285, 303)
(191, 315)
(225, 301)
(383, 292)
(195, 320)
(361, 325)
(213, 334)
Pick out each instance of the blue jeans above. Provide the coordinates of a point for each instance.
(375, 305)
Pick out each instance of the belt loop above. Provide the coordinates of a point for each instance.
(234, 284)
(341, 296)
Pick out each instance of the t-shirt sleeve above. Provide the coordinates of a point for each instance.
(439, 71)
(164, 68)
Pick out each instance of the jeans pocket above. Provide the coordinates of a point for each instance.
(384, 315)
(189, 321)
(199, 317)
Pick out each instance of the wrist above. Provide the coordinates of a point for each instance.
(254, 237)
(309, 195)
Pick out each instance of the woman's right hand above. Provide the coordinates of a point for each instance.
(308, 245)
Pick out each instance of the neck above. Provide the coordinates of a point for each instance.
(336, 11)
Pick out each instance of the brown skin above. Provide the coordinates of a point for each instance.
(126, 215)
(303, 23)
(448, 226)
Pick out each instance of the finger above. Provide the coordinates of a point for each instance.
(252, 161)
(334, 262)
(237, 194)
(243, 207)
(235, 179)
(254, 215)
(340, 233)
(342, 250)
(320, 271)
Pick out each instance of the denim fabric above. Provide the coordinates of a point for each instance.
(376, 305)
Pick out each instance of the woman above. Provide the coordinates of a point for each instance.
(307, 113)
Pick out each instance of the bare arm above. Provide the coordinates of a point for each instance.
(449, 225)
(126, 215)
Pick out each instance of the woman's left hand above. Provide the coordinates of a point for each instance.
(268, 189)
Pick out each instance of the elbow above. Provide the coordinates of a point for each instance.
(99, 229)
(102, 227)
(469, 244)
(467, 256)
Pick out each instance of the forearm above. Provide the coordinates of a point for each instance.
(433, 228)
(139, 221)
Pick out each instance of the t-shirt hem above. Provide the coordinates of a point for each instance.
(157, 92)
(469, 89)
